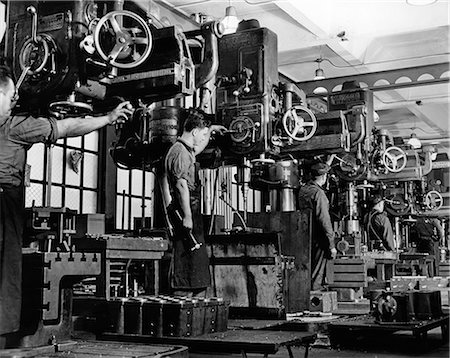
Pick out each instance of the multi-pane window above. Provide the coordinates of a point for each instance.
(71, 166)
(134, 198)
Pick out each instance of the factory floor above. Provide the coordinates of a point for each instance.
(398, 345)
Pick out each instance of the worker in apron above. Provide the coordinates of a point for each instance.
(189, 274)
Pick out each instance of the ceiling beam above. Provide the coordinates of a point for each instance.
(391, 76)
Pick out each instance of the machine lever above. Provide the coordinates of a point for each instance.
(22, 77)
(34, 22)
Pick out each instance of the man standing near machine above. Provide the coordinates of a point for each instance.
(312, 196)
(17, 135)
(430, 234)
(190, 264)
(379, 228)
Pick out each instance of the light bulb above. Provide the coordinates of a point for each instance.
(414, 142)
(319, 75)
(230, 21)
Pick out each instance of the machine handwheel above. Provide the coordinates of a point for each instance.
(434, 200)
(298, 126)
(241, 129)
(394, 159)
(35, 55)
(397, 205)
(132, 45)
(63, 109)
(350, 169)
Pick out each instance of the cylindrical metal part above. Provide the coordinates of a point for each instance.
(352, 226)
(282, 200)
(164, 126)
(285, 173)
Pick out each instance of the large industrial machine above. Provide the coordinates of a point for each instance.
(78, 58)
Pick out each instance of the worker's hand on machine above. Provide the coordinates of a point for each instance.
(219, 129)
(187, 222)
(333, 253)
(121, 113)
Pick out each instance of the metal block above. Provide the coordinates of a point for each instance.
(323, 301)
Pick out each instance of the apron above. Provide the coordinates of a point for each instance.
(189, 269)
(11, 231)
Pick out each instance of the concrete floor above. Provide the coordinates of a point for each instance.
(398, 345)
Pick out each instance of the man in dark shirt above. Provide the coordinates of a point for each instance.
(312, 196)
(381, 235)
(190, 268)
(17, 135)
(430, 234)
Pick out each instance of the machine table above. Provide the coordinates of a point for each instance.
(232, 341)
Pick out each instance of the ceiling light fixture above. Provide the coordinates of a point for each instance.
(420, 2)
(230, 21)
(414, 141)
(319, 74)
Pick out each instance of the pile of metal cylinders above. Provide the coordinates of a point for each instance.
(164, 316)
(406, 306)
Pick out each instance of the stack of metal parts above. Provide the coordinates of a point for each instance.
(407, 306)
(164, 316)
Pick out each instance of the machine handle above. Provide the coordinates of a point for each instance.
(34, 21)
(195, 245)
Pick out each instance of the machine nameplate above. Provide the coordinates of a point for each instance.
(238, 42)
(51, 22)
(441, 165)
(342, 100)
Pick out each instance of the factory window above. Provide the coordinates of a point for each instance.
(227, 197)
(134, 199)
(71, 168)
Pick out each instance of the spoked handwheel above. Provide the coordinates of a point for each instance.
(434, 200)
(126, 47)
(394, 159)
(299, 123)
(70, 108)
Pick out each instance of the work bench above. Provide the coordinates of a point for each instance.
(343, 331)
(232, 341)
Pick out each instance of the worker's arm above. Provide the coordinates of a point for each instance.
(77, 126)
(182, 189)
(215, 128)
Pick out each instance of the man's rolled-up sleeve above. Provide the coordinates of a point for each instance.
(178, 166)
(30, 130)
